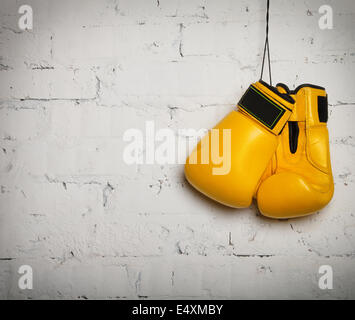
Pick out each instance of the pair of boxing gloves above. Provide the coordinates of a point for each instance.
(278, 153)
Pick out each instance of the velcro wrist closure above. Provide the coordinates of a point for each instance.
(323, 108)
(266, 107)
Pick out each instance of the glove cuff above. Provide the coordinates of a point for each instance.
(267, 106)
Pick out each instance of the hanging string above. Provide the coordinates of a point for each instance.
(266, 46)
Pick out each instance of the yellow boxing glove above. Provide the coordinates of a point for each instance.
(228, 162)
(298, 180)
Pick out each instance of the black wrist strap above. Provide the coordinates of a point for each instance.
(261, 107)
(323, 108)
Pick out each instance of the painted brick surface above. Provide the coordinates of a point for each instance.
(92, 226)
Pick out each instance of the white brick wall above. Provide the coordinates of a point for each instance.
(93, 227)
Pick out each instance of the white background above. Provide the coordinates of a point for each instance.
(93, 227)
